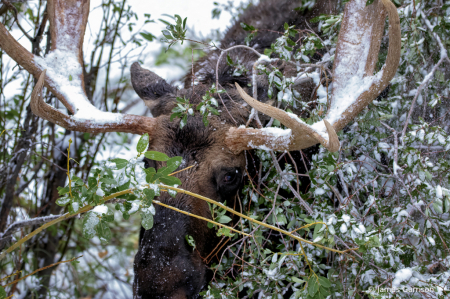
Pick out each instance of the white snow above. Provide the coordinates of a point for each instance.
(64, 71)
(264, 58)
(100, 209)
(278, 136)
(362, 228)
(350, 69)
(100, 192)
(346, 218)
(438, 191)
(431, 240)
(318, 127)
(319, 191)
(75, 206)
(135, 204)
(152, 209)
(401, 275)
(403, 213)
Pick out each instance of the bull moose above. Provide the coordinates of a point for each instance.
(165, 265)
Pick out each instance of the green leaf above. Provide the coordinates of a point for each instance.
(298, 280)
(108, 217)
(213, 111)
(175, 115)
(313, 287)
(143, 143)
(314, 20)
(124, 186)
(104, 233)
(92, 182)
(120, 163)
(70, 78)
(148, 36)
(223, 219)
(183, 121)
(90, 222)
(268, 52)
(149, 194)
(157, 156)
(369, 2)
(247, 27)
(286, 26)
(324, 282)
(290, 42)
(2, 293)
(173, 163)
(205, 121)
(150, 173)
(108, 181)
(190, 241)
(63, 201)
(224, 231)
(62, 191)
(317, 228)
(146, 219)
(324, 292)
(229, 61)
(170, 180)
(166, 34)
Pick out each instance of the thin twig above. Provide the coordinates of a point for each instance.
(302, 202)
(217, 71)
(13, 8)
(43, 268)
(396, 167)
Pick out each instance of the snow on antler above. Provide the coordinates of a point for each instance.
(61, 72)
(64, 62)
(354, 85)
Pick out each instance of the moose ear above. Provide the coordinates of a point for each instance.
(148, 85)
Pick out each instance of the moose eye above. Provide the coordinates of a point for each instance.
(227, 181)
(229, 177)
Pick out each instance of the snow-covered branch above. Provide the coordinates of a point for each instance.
(6, 236)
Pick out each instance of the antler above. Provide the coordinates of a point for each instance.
(61, 72)
(354, 86)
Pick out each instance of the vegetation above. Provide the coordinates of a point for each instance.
(382, 202)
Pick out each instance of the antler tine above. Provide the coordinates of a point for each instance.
(61, 72)
(354, 87)
(301, 135)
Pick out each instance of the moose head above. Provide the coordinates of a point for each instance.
(165, 265)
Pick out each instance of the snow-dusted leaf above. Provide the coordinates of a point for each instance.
(146, 219)
(142, 143)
